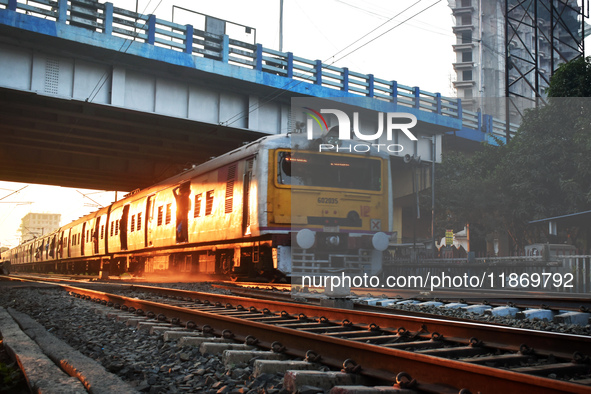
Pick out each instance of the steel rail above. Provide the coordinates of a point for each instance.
(376, 361)
(288, 297)
(549, 342)
(519, 299)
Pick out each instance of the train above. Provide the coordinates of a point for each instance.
(272, 209)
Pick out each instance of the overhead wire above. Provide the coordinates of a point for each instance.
(103, 79)
(387, 31)
(280, 91)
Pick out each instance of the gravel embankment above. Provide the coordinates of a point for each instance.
(144, 360)
(534, 324)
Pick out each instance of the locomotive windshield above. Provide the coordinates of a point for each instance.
(326, 170)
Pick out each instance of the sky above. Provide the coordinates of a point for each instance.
(409, 41)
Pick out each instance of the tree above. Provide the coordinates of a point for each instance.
(544, 171)
(572, 79)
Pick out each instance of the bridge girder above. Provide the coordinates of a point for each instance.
(72, 143)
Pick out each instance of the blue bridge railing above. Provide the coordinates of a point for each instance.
(130, 25)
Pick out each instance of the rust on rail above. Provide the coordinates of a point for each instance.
(373, 360)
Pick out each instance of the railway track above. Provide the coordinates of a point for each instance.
(567, 313)
(425, 354)
(567, 309)
(436, 355)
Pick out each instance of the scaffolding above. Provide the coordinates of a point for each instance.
(539, 36)
(507, 50)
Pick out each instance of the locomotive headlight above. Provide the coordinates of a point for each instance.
(305, 238)
(333, 240)
(380, 241)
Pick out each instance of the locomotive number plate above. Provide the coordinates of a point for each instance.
(324, 200)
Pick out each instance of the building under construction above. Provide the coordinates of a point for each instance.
(510, 48)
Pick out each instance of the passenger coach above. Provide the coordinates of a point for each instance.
(272, 208)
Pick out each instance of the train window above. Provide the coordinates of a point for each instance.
(160, 215)
(168, 213)
(132, 223)
(103, 231)
(116, 227)
(329, 170)
(139, 221)
(209, 202)
(197, 208)
(112, 228)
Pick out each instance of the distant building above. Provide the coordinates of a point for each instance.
(481, 80)
(34, 225)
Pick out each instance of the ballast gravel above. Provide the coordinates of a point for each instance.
(533, 324)
(152, 365)
(144, 360)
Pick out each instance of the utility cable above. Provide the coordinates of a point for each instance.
(282, 90)
(387, 31)
(103, 79)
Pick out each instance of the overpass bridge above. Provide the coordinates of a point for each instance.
(96, 96)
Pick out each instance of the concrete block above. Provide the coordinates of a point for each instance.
(293, 380)
(233, 357)
(90, 373)
(172, 335)
(369, 390)
(341, 303)
(477, 309)
(376, 301)
(197, 341)
(502, 311)
(273, 367)
(337, 291)
(388, 302)
(218, 347)
(579, 318)
(114, 314)
(406, 302)
(147, 325)
(431, 303)
(131, 320)
(162, 329)
(454, 305)
(41, 373)
(536, 314)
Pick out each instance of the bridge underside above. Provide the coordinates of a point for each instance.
(73, 143)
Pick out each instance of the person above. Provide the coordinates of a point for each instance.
(183, 202)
